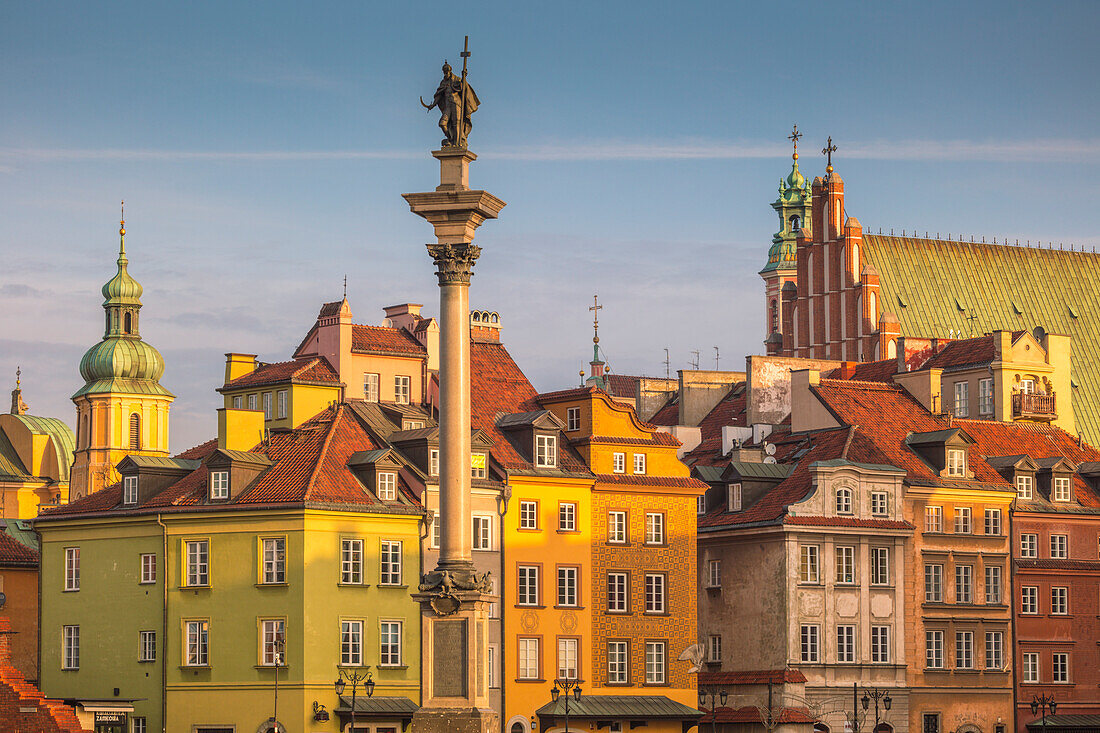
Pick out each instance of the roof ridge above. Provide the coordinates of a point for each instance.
(881, 386)
(339, 411)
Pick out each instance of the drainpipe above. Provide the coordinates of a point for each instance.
(1011, 592)
(38, 651)
(164, 625)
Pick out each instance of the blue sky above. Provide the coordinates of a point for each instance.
(262, 149)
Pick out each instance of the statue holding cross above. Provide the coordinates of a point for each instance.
(456, 101)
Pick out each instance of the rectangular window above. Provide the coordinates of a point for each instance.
(639, 463)
(880, 566)
(880, 644)
(992, 584)
(129, 490)
(714, 573)
(148, 568)
(810, 643)
(433, 462)
(1029, 545)
(964, 649)
(933, 649)
(238, 402)
(1031, 667)
(930, 723)
(880, 503)
(70, 647)
(389, 644)
(546, 451)
(567, 659)
(616, 527)
(985, 396)
(491, 667)
(654, 529)
(845, 643)
(933, 519)
(1025, 487)
(273, 638)
(1059, 600)
(387, 486)
(274, 560)
(528, 659)
(1059, 546)
(198, 562)
(1029, 599)
(573, 419)
(1060, 490)
(528, 515)
(252, 402)
(843, 501)
(390, 563)
(962, 399)
(808, 564)
(654, 593)
(701, 504)
(1060, 667)
(962, 520)
(956, 462)
(933, 583)
(734, 495)
(370, 387)
(964, 584)
(267, 405)
(994, 650)
(351, 643)
(351, 561)
(845, 564)
(528, 585)
(654, 662)
(993, 521)
(72, 568)
(196, 643)
(617, 593)
(479, 466)
(617, 664)
(567, 517)
(402, 389)
(567, 586)
(147, 646)
(483, 533)
(282, 403)
(219, 484)
(437, 530)
(714, 648)
(618, 462)
(140, 725)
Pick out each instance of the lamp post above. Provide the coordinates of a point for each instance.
(278, 650)
(1043, 703)
(712, 693)
(566, 685)
(354, 677)
(876, 694)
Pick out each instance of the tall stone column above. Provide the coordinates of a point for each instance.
(454, 600)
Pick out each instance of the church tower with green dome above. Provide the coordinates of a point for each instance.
(793, 207)
(122, 409)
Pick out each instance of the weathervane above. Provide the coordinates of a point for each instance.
(794, 137)
(828, 150)
(456, 101)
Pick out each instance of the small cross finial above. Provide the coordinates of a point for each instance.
(345, 287)
(18, 374)
(828, 150)
(595, 308)
(794, 137)
(122, 228)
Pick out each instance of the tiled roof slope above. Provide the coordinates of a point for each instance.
(966, 352)
(622, 385)
(668, 415)
(23, 708)
(14, 554)
(1054, 289)
(384, 340)
(316, 369)
(867, 371)
(730, 410)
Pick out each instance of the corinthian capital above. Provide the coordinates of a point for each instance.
(454, 262)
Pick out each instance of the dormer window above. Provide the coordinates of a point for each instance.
(129, 490)
(546, 451)
(956, 462)
(219, 485)
(734, 497)
(433, 462)
(479, 466)
(413, 425)
(1060, 489)
(844, 501)
(1025, 487)
(387, 485)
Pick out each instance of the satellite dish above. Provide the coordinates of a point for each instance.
(770, 459)
(3, 599)
(769, 448)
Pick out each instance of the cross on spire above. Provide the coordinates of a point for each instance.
(794, 137)
(595, 308)
(345, 287)
(828, 150)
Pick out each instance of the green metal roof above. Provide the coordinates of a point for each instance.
(123, 386)
(748, 469)
(835, 462)
(709, 474)
(1063, 723)
(636, 707)
(934, 286)
(11, 467)
(64, 442)
(380, 705)
(182, 464)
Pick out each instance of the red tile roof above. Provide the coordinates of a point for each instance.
(752, 677)
(14, 553)
(200, 451)
(966, 352)
(384, 340)
(658, 438)
(23, 708)
(868, 371)
(668, 415)
(847, 522)
(622, 385)
(316, 369)
(498, 386)
(730, 410)
(1050, 564)
(626, 479)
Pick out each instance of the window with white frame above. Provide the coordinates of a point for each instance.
(148, 568)
(573, 419)
(714, 573)
(845, 643)
(880, 566)
(389, 644)
(1059, 546)
(238, 402)
(491, 667)
(567, 586)
(1059, 600)
(528, 587)
(1029, 545)
(252, 402)
(956, 462)
(140, 724)
(964, 584)
(273, 638)
(655, 662)
(129, 490)
(528, 659)
(387, 485)
(616, 527)
(390, 571)
(267, 405)
(617, 663)
(734, 495)
(198, 562)
(282, 403)
(962, 399)
(933, 519)
(985, 396)
(351, 561)
(479, 466)
(147, 646)
(370, 387)
(810, 642)
(933, 583)
(1025, 487)
(196, 643)
(437, 530)
(1029, 599)
(654, 528)
(567, 517)
(402, 389)
(809, 567)
(494, 607)
(433, 462)
(701, 504)
(72, 568)
(617, 593)
(483, 533)
(994, 650)
(70, 647)
(843, 501)
(880, 503)
(845, 564)
(964, 649)
(639, 463)
(274, 560)
(528, 515)
(655, 593)
(993, 521)
(963, 524)
(933, 649)
(412, 425)
(880, 644)
(351, 643)
(1031, 666)
(993, 584)
(618, 462)
(219, 485)
(1060, 489)
(567, 659)
(546, 451)
(714, 648)
(1059, 667)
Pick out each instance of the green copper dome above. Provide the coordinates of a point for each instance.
(793, 207)
(121, 358)
(122, 289)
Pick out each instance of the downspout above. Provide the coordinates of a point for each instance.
(1012, 615)
(506, 497)
(38, 650)
(164, 624)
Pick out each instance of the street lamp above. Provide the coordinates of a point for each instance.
(876, 694)
(712, 693)
(278, 649)
(566, 685)
(354, 678)
(1043, 702)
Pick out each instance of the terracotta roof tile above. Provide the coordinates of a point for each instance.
(669, 414)
(622, 385)
(626, 479)
(14, 553)
(1051, 564)
(868, 371)
(730, 410)
(966, 352)
(847, 522)
(22, 705)
(316, 369)
(384, 340)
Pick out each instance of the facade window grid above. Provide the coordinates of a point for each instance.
(370, 387)
(528, 658)
(994, 650)
(272, 633)
(72, 568)
(733, 494)
(546, 451)
(389, 644)
(933, 649)
(616, 527)
(992, 584)
(880, 503)
(482, 533)
(964, 584)
(479, 466)
(139, 724)
(573, 419)
(985, 396)
(148, 568)
(147, 646)
(567, 517)
(351, 643)
(964, 649)
(993, 522)
(567, 586)
(198, 563)
(639, 463)
(809, 642)
(402, 389)
(567, 658)
(843, 501)
(70, 647)
(845, 565)
(880, 566)
(701, 504)
(963, 524)
(1025, 487)
(1029, 545)
(219, 484)
(387, 485)
(433, 462)
(880, 644)
(1059, 546)
(267, 405)
(933, 583)
(845, 643)
(809, 567)
(351, 561)
(1060, 490)
(1059, 601)
(390, 560)
(655, 662)
(197, 643)
(933, 519)
(1029, 599)
(282, 403)
(654, 529)
(714, 648)
(528, 515)
(1059, 667)
(1031, 667)
(655, 593)
(714, 573)
(956, 462)
(617, 593)
(962, 399)
(528, 586)
(252, 402)
(618, 463)
(617, 663)
(274, 560)
(129, 490)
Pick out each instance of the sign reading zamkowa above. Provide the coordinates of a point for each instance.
(111, 717)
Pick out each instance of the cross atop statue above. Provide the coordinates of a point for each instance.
(456, 101)
(794, 137)
(595, 308)
(828, 150)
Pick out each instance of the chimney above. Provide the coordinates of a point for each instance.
(403, 315)
(334, 336)
(485, 327)
(238, 365)
(924, 386)
(240, 430)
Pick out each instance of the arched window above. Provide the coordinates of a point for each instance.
(855, 262)
(871, 313)
(135, 431)
(843, 501)
(517, 728)
(128, 320)
(796, 223)
(891, 349)
(775, 315)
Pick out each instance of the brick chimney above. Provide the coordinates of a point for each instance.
(403, 315)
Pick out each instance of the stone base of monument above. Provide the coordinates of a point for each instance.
(447, 720)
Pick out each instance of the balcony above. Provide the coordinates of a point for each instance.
(1030, 406)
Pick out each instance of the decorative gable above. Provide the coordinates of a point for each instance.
(945, 451)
